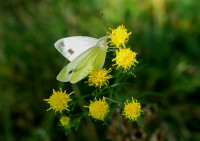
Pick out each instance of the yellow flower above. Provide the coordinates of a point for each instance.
(99, 77)
(59, 101)
(125, 58)
(132, 110)
(119, 36)
(98, 109)
(64, 121)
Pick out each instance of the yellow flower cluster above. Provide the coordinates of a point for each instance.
(125, 58)
(59, 101)
(99, 77)
(119, 36)
(132, 110)
(98, 109)
(64, 121)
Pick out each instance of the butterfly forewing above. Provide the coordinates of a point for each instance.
(72, 47)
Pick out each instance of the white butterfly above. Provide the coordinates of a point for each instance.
(85, 54)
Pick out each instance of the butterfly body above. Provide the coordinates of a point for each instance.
(85, 54)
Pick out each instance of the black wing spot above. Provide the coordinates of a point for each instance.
(70, 71)
(71, 51)
(61, 44)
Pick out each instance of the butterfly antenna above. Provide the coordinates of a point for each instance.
(101, 18)
(103, 27)
(101, 21)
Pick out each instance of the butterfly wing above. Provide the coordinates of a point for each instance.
(72, 47)
(95, 59)
(66, 73)
(80, 67)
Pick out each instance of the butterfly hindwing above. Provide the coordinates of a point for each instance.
(95, 59)
(66, 73)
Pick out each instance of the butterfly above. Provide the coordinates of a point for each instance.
(84, 53)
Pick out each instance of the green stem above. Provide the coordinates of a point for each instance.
(118, 74)
(92, 130)
(114, 101)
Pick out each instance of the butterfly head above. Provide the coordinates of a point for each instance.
(102, 43)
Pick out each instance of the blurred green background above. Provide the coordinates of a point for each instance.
(165, 34)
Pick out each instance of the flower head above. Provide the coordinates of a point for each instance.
(119, 36)
(132, 110)
(125, 58)
(59, 100)
(99, 77)
(98, 109)
(64, 121)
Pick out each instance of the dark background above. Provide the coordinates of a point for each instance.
(165, 34)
